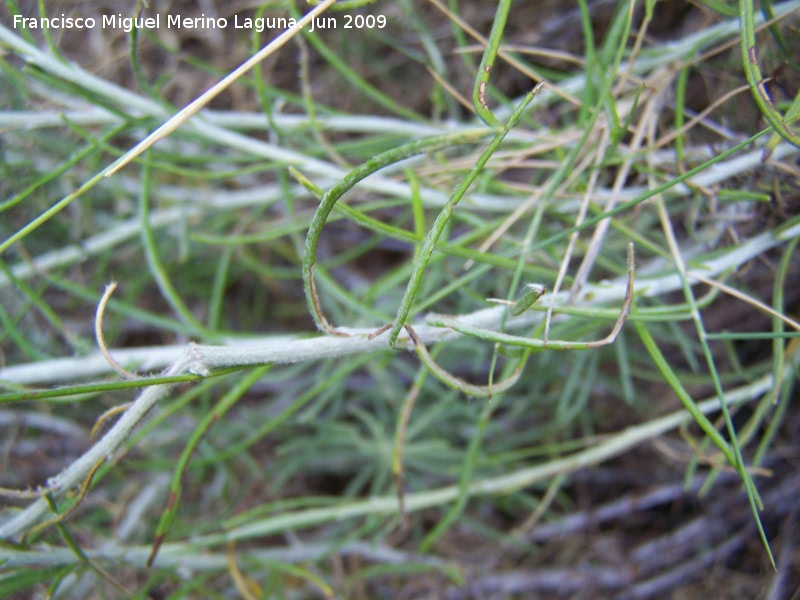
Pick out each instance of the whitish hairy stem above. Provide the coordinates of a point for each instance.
(202, 127)
(227, 200)
(203, 359)
(292, 349)
(202, 203)
(176, 555)
(212, 128)
(200, 102)
(612, 446)
(189, 362)
(242, 121)
(138, 106)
